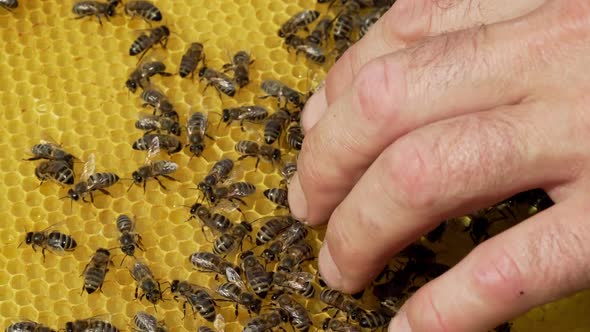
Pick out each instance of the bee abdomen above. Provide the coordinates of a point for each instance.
(140, 44)
(94, 279)
(61, 241)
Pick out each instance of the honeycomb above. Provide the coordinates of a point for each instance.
(64, 79)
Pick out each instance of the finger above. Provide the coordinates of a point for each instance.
(438, 171)
(445, 76)
(406, 22)
(535, 262)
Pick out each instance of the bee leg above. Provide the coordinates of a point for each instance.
(43, 253)
(136, 290)
(183, 309)
(106, 192)
(160, 183)
(99, 20)
(236, 310)
(210, 137)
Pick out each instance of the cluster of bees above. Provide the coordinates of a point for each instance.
(280, 240)
(353, 19)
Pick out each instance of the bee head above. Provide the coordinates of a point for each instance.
(202, 71)
(276, 155)
(131, 85)
(69, 327)
(103, 251)
(255, 306)
(268, 255)
(242, 81)
(195, 207)
(73, 195)
(176, 129)
(225, 115)
(294, 98)
(356, 315)
(165, 30)
(197, 149)
(29, 238)
(246, 254)
(137, 178)
(246, 225)
(326, 323)
(174, 285)
(281, 34)
(154, 296)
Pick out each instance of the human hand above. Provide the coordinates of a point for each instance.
(446, 106)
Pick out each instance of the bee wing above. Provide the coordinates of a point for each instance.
(219, 323)
(153, 150)
(233, 276)
(148, 120)
(297, 279)
(89, 167)
(52, 226)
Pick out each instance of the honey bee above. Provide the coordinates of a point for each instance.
(51, 151)
(295, 136)
(267, 321)
(232, 238)
(191, 58)
(91, 181)
(96, 270)
(272, 227)
(437, 233)
(155, 98)
(220, 81)
(343, 27)
(234, 292)
(299, 316)
(218, 173)
(8, 5)
(295, 255)
(321, 32)
(279, 90)
(95, 8)
(28, 326)
(256, 275)
(145, 41)
(196, 128)
(288, 171)
(171, 144)
(275, 125)
(240, 65)
(90, 324)
(334, 325)
(129, 240)
(234, 192)
(211, 262)
(196, 296)
(293, 234)
(251, 113)
(371, 19)
(150, 287)
(293, 42)
(278, 196)
(214, 221)
(58, 171)
(140, 77)
(341, 302)
(263, 151)
(340, 46)
(294, 282)
(144, 9)
(154, 170)
(298, 21)
(151, 123)
(145, 322)
(312, 52)
(372, 319)
(53, 241)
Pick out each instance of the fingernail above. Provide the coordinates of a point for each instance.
(400, 323)
(297, 202)
(328, 269)
(314, 109)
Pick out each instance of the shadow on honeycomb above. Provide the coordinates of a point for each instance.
(64, 79)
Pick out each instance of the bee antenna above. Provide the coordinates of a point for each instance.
(130, 187)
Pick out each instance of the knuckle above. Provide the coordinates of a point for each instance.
(497, 275)
(424, 314)
(379, 90)
(412, 173)
(310, 170)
